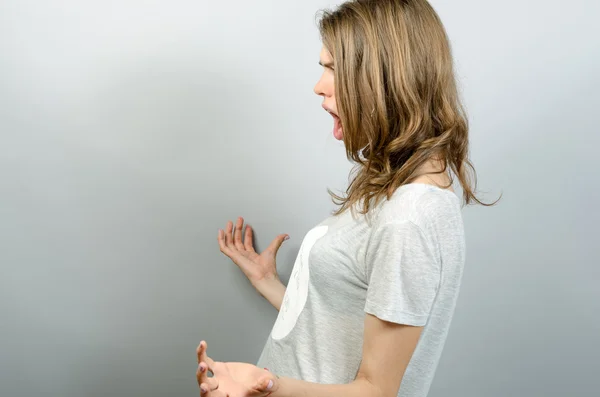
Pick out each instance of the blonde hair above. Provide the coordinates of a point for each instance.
(396, 96)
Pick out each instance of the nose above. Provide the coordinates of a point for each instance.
(318, 89)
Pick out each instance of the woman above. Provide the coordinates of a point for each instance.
(373, 289)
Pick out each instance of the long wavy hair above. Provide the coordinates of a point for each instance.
(396, 96)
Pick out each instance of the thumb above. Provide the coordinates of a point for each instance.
(275, 244)
(267, 384)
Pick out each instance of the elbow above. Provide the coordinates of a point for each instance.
(372, 389)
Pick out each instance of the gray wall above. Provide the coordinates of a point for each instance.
(133, 130)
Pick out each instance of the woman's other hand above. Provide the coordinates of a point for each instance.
(232, 379)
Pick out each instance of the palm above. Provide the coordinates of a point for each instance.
(240, 379)
(255, 266)
(244, 375)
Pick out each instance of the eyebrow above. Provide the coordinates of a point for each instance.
(326, 64)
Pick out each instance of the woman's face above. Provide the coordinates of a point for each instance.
(326, 89)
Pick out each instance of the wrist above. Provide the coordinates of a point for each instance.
(267, 283)
(268, 278)
(272, 289)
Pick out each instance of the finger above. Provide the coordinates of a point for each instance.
(205, 382)
(200, 351)
(233, 254)
(228, 236)
(248, 239)
(203, 356)
(237, 237)
(276, 243)
(206, 392)
(265, 384)
(210, 384)
(202, 373)
(223, 244)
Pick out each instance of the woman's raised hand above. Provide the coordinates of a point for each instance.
(260, 269)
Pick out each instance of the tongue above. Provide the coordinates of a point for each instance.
(337, 129)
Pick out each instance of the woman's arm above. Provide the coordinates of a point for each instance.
(272, 289)
(387, 350)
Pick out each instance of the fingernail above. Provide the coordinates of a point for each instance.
(270, 385)
(286, 238)
(203, 390)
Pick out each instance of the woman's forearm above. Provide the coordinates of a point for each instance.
(289, 387)
(272, 289)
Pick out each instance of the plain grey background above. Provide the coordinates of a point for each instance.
(131, 131)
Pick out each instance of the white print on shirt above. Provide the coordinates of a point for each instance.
(296, 293)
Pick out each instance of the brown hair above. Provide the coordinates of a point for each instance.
(396, 96)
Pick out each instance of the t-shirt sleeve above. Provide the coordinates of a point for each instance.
(403, 274)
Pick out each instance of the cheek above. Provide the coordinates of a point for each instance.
(329, 84)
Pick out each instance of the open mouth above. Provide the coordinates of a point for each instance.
(337, 126)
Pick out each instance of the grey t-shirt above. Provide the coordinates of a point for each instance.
(403, 264)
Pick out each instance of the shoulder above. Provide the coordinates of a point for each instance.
(428, 207)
